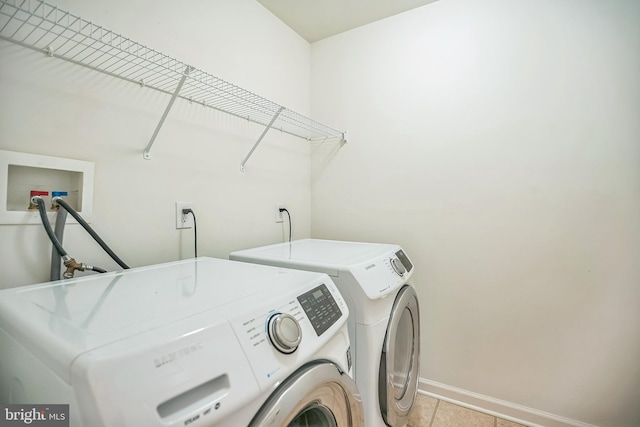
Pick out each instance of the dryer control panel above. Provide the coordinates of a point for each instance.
(404, 259)
(384, 274)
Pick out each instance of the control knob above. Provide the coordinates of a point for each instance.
(398, 267)
(284, 332)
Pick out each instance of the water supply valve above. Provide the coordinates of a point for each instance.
(54, 194)
(34, 206)
(73, 266)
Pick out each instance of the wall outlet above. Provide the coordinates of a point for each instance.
(182, 220)
(278, 213)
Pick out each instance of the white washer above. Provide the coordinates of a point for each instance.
(184, 343)
(384, 322)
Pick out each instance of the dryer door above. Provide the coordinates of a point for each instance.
(400, 363)
(318, 394)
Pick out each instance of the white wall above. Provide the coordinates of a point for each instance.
(54, 108)
(499, 143)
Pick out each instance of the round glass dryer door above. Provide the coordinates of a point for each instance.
(318, 394)
(400, 359)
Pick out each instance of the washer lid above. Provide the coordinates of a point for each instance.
(58, 321)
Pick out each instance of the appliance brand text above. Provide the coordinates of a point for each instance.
(178, 354)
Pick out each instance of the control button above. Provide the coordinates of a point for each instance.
(284, 332)
(398, 267)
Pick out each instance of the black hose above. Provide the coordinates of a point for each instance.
(90, 230)
(59, 233)
(47, 226)
(98, 269)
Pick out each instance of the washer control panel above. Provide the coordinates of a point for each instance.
(286, 330)
(321, 308)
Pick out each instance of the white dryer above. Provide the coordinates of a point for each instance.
(204, 342)
(384, 322)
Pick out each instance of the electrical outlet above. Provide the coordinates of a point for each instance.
(183, 220)
(278, 213)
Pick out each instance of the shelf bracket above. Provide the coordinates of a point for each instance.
(275, 117)
(146, 153)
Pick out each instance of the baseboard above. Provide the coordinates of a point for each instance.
(496, 407)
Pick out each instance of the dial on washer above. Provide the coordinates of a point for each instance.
(284, 332)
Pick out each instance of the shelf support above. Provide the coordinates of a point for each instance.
(146, 154)
(275, 117)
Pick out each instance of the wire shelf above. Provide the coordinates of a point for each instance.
(38, 25)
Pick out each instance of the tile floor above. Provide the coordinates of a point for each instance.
(430, 412)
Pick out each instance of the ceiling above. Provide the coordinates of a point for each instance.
(317, 19)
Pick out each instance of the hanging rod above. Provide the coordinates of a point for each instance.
(40, 26)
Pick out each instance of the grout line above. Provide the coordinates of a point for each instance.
(433, 416)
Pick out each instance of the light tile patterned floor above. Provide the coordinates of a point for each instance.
(430, 412)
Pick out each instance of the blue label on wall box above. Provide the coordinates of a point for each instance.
(54, 415)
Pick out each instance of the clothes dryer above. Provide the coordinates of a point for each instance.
(384, 322)
(204, 342)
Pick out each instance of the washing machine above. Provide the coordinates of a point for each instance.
(384, 322)
(202, 342)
